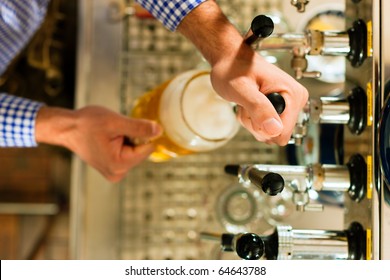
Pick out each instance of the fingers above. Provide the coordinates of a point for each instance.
(129, 157)
(121, 157)
(141, 128)
(139, 132)
(117, 166)
(132, 156)
(246, 121)
(277, 131)
(259, 116)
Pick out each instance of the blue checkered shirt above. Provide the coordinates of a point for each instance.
(17, 121)
(170, 12)
(19, 20)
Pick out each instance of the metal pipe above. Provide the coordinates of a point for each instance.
(336, 178)
(287, 41)
(297, 177)
(295, 244)
(334, 111)
(335, 43)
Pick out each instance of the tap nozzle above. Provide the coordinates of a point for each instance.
(300, 5)
(350, 111)
(287, 243)
(350, 178)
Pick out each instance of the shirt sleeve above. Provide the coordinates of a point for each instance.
(170, 12)
(17, 121)
(19, 20)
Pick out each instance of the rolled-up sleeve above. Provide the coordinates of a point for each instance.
(17, 121)
(19, 20)
(170, 12)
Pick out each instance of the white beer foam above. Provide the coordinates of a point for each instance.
(206, 113)
(208, 122)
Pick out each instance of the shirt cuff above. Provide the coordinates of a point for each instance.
(170, 12)
(17, 121)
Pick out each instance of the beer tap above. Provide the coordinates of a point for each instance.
(327, 110)
(351, 43)
(350, 178)
(286, 243)
(262, 27)
(351, 111)
(300, 5)
(248, 246)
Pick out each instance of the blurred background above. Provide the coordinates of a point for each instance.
(110, 53)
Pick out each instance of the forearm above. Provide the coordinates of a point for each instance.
(207, 23)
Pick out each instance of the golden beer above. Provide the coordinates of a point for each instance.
(194, 117)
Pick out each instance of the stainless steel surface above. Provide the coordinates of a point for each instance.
(373, 76)
(324, 110)
(311, 42)
(295, 244)
(334, 43)
(297, 177)
(308, 43)
(303, 179)
(335, 178)
(334, 110)
(384, 59)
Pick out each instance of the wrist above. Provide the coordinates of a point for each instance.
(53, 126)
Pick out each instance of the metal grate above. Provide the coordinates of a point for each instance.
(164, 206)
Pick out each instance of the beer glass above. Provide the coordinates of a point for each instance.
(194, 117)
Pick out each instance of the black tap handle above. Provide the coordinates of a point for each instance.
(357, 167)
(232, 169)
(271, 183)
(358, 43)
(357, 101)
(277, 101)
(261, 27)
(248, 246)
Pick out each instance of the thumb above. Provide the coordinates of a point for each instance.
(272, 126)
(141, 128)
(263, 115)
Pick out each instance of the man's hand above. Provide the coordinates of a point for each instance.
(242, 76)
(98, 136)
(246, 82)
